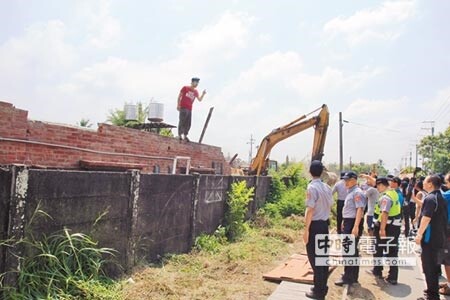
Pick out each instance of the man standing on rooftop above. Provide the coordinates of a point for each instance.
(186, 99)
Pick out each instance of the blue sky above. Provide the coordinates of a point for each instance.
(384, 64)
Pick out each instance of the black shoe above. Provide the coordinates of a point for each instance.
(186, 139)
(377, 275)
(342, 282)
(313, 295)
(391, 281)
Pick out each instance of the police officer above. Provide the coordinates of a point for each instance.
(387, 229)
(431, 234)
(318, 207)
(353, 214)
(341, 191)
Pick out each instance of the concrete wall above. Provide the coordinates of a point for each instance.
(5, 192)
(75, 200)
(164, 215)
(211, 192)
(144, 216)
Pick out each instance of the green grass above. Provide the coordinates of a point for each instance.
(64, 265)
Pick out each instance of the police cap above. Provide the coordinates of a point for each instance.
(397, 180)
(382, 180)
(350, 175)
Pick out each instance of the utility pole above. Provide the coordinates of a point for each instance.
(251, 142)
(341, 146)
(432, 146)
(417, 155)
(410, 159)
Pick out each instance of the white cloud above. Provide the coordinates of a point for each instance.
(361, 109)
(264, 38)
(332, 80)
(219, 41)
(275, 66)
(381, 23)
(199, 52)
(40, 54)
(284, 71)
(104, 30)
(117, 79)
(273, 91)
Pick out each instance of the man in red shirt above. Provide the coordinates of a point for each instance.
(185, 100)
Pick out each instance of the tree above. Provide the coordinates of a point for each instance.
(117, 116)
(361, 167)
(84, 123)
(435, 151)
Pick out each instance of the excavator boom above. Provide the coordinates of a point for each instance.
(319, 122)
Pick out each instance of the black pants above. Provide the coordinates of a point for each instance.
(412, 210)
(184, 122)
(351, 273)
(320, 273)
(339, 207)
(388, 248)
(406, 215)
(432, 269)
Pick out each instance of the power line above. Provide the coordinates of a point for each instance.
(441, 105)
(250, 154)
(443, 113)
(375, 127)
(438, 111)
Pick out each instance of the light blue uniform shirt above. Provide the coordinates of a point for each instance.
(372, 196)
(319, 197)
(354, 200)
(340, 189)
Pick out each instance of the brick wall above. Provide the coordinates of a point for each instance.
(120, 141)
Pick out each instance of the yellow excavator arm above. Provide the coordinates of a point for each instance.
(320, 124)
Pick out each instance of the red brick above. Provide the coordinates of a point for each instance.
(108, 138)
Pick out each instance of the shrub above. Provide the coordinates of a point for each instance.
(276, 190)
(292, 202)
(238, 200)
(294, 173)
(211, 243)
(287, 199)
(271, 210)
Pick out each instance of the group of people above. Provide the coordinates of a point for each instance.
(386, 207)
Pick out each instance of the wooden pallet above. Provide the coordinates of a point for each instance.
(296, 269)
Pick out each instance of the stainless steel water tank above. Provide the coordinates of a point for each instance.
(156, 112)
(131, 112)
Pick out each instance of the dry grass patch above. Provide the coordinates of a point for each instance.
(234, 271)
